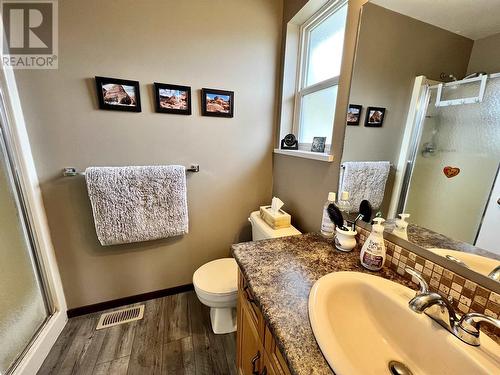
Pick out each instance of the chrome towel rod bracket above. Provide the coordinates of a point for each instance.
(71, 171)
(195, 168)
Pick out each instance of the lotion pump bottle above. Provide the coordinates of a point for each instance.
(327, 225)
(401, 226)
(373, 251)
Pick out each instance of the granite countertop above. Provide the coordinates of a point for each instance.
(281, 272)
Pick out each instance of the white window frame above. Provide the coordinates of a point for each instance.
(304, 44)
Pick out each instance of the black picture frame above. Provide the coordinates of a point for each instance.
(215, 92)
(370, 121)
(106, 103)
(352, 118)
(318, 144)
(163, 108)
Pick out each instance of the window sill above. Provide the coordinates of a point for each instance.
(305, 154)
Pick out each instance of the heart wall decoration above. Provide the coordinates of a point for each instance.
(451, 171)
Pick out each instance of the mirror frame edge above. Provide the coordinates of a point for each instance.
(350, 47)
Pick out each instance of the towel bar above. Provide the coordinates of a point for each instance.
(343, 166)
(71, 171)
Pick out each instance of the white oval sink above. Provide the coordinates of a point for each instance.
(475, 262)
(362, 322)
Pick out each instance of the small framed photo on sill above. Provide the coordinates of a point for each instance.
(217, 103)
(318, 144)
(374, 117)
(118, 94)
(172, 99)
(354, 114)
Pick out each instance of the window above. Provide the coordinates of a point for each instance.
(321, 44)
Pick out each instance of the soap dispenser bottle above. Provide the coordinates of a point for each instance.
(327, 225)
(401, 226)
(373, 251)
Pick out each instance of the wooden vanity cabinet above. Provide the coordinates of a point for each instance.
(257, 352)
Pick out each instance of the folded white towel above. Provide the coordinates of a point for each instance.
(134, 204)
(364, 180)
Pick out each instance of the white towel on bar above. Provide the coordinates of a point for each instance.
(135, 204)
(364, 180)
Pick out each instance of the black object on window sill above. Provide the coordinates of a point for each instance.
(289, 142)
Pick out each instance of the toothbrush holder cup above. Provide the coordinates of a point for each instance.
(345, 240)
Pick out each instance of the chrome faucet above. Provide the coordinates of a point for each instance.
(433, 304)
(456, 260)
(441, 310)
(495, 274)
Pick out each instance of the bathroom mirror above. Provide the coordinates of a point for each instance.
(425, 97)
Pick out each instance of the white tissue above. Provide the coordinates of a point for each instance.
(276, 205)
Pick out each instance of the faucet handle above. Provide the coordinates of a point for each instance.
(471, 321)
(424, 287)
(456, 260)
(469, 326)
(495, 273)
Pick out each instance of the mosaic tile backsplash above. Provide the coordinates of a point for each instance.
(467, 295)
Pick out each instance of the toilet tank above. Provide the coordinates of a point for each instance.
(262, 231)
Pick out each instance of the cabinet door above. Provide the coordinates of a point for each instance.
(267, 366)
(274, 354)
(250, 350)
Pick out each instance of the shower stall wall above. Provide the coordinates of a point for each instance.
(23, 307)
(32, 303)
(453, 156)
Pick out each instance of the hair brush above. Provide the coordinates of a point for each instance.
(336, 216)
(365, 209)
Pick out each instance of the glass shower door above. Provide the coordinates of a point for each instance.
(456, 162)
(23, 309)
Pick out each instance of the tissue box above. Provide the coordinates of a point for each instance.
(275, 221)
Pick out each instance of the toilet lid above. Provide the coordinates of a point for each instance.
(218, 276)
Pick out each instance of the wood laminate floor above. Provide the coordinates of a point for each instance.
(174, 337)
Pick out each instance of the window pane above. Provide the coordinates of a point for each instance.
(318, 109)
(326, 42)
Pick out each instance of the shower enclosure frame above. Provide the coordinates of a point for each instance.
(27, 226)
(27, 187)
(420, 101)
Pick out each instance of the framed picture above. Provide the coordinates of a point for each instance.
(218, 103)
(354, 114)
(172, 99)
(374, 117)
(118, 94)
(318, 144)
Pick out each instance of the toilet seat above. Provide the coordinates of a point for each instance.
(217, 278)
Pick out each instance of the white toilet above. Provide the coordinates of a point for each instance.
(216, 282)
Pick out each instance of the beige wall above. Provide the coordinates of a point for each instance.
(392, 50)
(227, 44)
(291, 7)
(304, 184)
(485, 55)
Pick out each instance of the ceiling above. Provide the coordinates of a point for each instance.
(474, 19)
